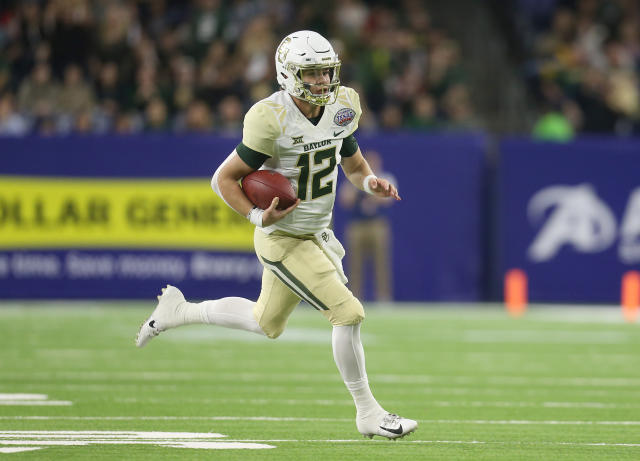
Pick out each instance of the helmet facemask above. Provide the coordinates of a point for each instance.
(329, 91)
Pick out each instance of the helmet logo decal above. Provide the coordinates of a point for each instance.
(283, 50)
(344, 116)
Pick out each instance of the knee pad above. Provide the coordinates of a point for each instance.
(272, 331)
(272, 326)
(349, 312)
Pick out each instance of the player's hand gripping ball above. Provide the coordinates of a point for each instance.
(263, 185)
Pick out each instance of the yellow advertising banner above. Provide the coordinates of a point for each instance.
(38, 212)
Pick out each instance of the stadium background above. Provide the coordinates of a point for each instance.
(517, 150)
(512, 128)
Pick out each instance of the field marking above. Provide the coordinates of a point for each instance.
(323, 402)
(36, 403)
(226, 445)
(265, 443)
(136, 435)
(507, 404)
(17, 449)
(304, 419)
(531, 422)
(545, 337)
(465, 442)
(268, 378)
(31, 400)
(42, 439)
(348, 402)
(23, 397)
(630, 394)
(175, 418)
(204, 334)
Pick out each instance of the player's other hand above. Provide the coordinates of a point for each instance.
(383, 188)
(271, 215)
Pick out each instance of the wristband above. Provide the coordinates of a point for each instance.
(255, 216)
(365, 183)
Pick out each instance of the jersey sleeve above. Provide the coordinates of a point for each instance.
(251, 157)
(349, 146)
(354, 102)
(260, 129)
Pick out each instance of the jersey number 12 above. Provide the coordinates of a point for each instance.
(319, 157)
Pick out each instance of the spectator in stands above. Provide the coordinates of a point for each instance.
(184, 78)
(5, 77)
(457, 107)
(423, 114)
(231, 115)
(591, 54)
(38, 94)
(131, 52)
(391, 117)
(83, 123)
(109, 86)
(147, 87)
(198, 117)
(156, 116)
(76, 95)
(71, 29)
(11, 122)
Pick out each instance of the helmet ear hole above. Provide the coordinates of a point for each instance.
(283, 75)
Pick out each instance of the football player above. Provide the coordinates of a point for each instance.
(303, 132)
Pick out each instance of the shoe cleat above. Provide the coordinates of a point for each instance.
(387, 425)
(166, 315)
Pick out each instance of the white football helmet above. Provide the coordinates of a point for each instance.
(307, 50)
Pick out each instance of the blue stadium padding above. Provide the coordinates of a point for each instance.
(569, 239)
(437, 226)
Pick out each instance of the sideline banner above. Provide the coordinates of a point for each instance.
(120, 217)
(38, 212)
(126, 273)
(569, 216)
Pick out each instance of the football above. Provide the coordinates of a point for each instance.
(263, 185)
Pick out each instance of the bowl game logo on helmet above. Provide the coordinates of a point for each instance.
(344, 116)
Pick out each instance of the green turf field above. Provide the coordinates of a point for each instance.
(558, 384)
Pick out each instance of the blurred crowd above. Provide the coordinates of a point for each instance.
(129, 66)
(584, 65)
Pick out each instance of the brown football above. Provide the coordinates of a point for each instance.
(263, 185)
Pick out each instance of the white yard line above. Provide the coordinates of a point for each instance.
(463, 442)
(502, 404)
(17, 449)
(301, 419)
(134, 435)
(22, 440)
(259, 443)
(270, 378)
(531, 422)
(543, 337)
(23, 397)
(323, 402)
(173, 418)
(347, 402)
(163, 443)
(31, 400)
(54, 403)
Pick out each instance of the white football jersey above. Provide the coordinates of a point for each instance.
(307, 155)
